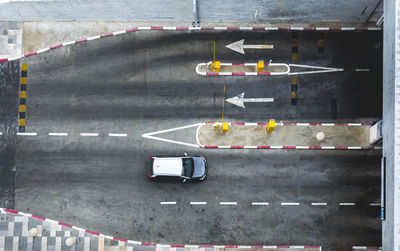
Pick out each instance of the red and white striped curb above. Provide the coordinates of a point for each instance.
(294, 124)
(146, 243)
(366, 247)
(166, 28)
(316, 69)
(242, 73)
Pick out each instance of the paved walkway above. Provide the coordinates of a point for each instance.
(10, 39)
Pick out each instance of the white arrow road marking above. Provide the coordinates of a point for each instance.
(150, 135)
(89, 134)
(168, 203)
(238, 46)
(58, 134)
(27, 133)
(117, 134)
(239, 100)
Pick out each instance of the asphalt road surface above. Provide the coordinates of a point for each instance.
(144, 82)
(9, 86)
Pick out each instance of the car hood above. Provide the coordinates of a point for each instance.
(199, 167)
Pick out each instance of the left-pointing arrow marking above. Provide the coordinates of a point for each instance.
(239, 46)
(239, 100)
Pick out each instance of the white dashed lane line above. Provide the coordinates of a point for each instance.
(1, 133)
(234, 203)
(362, 69)
(89, 134)
(319, 204)
(198, 203)
(168, 203)
(58, 134)
(375, 204)
(27, 133)
(228, 203)
(117, 134)
(290, 204)
(259, 203)
(347, 204)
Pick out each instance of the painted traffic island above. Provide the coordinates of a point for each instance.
(286, 136)
(217, 68)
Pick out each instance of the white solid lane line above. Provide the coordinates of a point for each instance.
(347, 204)
(260, 203)
(198, 203)
(319, 204)
(117, 134)
(290, 204)
(58, 134)
(168, 203)
(228, 203)
(89, 134)
(362, 69)
(375, 204)
(27, 133)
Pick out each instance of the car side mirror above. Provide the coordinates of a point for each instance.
(184, 180)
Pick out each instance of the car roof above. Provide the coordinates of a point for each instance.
(168, 166)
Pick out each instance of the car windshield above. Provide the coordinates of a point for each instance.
(187, 167)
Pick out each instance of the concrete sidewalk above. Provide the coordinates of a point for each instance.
(21, 231)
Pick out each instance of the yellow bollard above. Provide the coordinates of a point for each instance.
(224, 127)
(216, 125)
(271, 125)
(217, 66)
(260, 65)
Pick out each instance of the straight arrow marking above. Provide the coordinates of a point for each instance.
(239, 46)
(239, 100)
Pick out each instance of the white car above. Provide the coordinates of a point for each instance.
(177, 168)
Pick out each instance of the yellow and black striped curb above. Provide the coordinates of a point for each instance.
(295, 46)
(293, 90)
(321, 43)
(22, 97)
